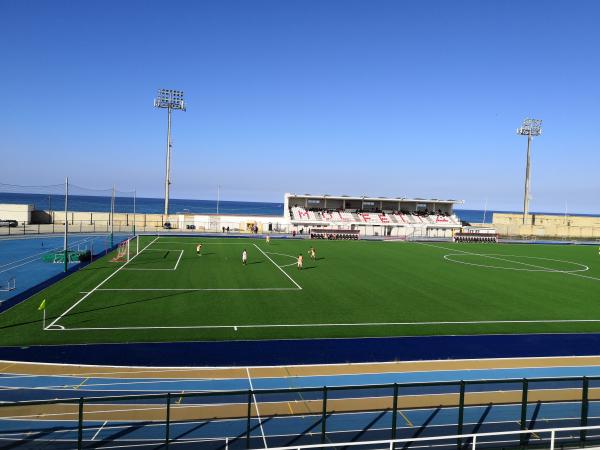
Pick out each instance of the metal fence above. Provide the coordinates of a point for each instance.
(246, 411)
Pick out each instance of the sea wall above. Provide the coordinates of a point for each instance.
(544, 225)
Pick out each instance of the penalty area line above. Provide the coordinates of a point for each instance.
(53, 323)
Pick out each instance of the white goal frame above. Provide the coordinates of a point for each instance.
(124, 249)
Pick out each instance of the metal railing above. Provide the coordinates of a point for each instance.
(391, 444)
(243, 404)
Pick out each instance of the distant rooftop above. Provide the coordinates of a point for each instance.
(369, 198)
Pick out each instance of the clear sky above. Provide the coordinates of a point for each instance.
(391, 98)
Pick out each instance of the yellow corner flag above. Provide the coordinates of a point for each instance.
(42, 305)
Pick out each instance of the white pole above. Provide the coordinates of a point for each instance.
(552, 439)
(168, 164)
(485, 210)
(112, 217)
(66, 223)
(134, 217)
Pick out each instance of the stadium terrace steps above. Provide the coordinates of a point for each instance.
(299, 214)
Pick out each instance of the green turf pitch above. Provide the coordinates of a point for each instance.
(167, 292)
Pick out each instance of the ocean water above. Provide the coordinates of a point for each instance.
(142, 205)
(156, 206)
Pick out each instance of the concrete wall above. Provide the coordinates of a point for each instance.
(100, 221)
(20, 213)
(542, 225)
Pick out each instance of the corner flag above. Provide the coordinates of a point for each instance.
(42, 305)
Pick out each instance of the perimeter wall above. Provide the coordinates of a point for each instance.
(543, 225)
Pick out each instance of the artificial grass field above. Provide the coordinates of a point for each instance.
(353, 289)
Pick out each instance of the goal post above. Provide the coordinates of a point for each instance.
(127, 249)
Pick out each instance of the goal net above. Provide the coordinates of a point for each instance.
(8, 285)
(127, 249)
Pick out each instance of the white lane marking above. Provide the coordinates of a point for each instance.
(256, 406)
(99, 430)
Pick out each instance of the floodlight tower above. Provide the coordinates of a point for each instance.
(530, 128)
(169, 99)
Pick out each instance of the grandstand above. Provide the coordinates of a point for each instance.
(373, 216)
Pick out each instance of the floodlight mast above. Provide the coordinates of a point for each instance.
(169, 99)
(530, 128)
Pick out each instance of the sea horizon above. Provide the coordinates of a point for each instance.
(154, 205)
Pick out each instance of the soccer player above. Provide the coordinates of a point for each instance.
(268, 239)
(300, 261)
(312, 253)
(244, 257)
(199, 249)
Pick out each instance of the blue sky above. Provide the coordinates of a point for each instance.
(407, 98)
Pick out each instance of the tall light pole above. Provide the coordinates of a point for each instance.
(169, 99)
(530, 128)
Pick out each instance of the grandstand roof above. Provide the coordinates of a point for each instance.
(384, 199)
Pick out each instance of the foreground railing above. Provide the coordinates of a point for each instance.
(252, 407)
(392, 444)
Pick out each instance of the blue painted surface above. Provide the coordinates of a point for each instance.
(21, 258)
(316, 351)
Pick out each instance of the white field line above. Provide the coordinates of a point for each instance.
(178, 259)
(99, 430)
(204, 241)
(583, 267)
(509, 260)
(256, 406)
(198, 289)
(161, 250)
(280, 254)
(283, 254)
(101, 283)
(366, 324)
(282, 271)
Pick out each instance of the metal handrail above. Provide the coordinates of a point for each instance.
(391, 442)
(299, 390)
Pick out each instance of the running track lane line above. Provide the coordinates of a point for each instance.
(99, 430)
(256, 406)
(101, 283)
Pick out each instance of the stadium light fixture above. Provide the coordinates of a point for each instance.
(169, 99)
(530, 128)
